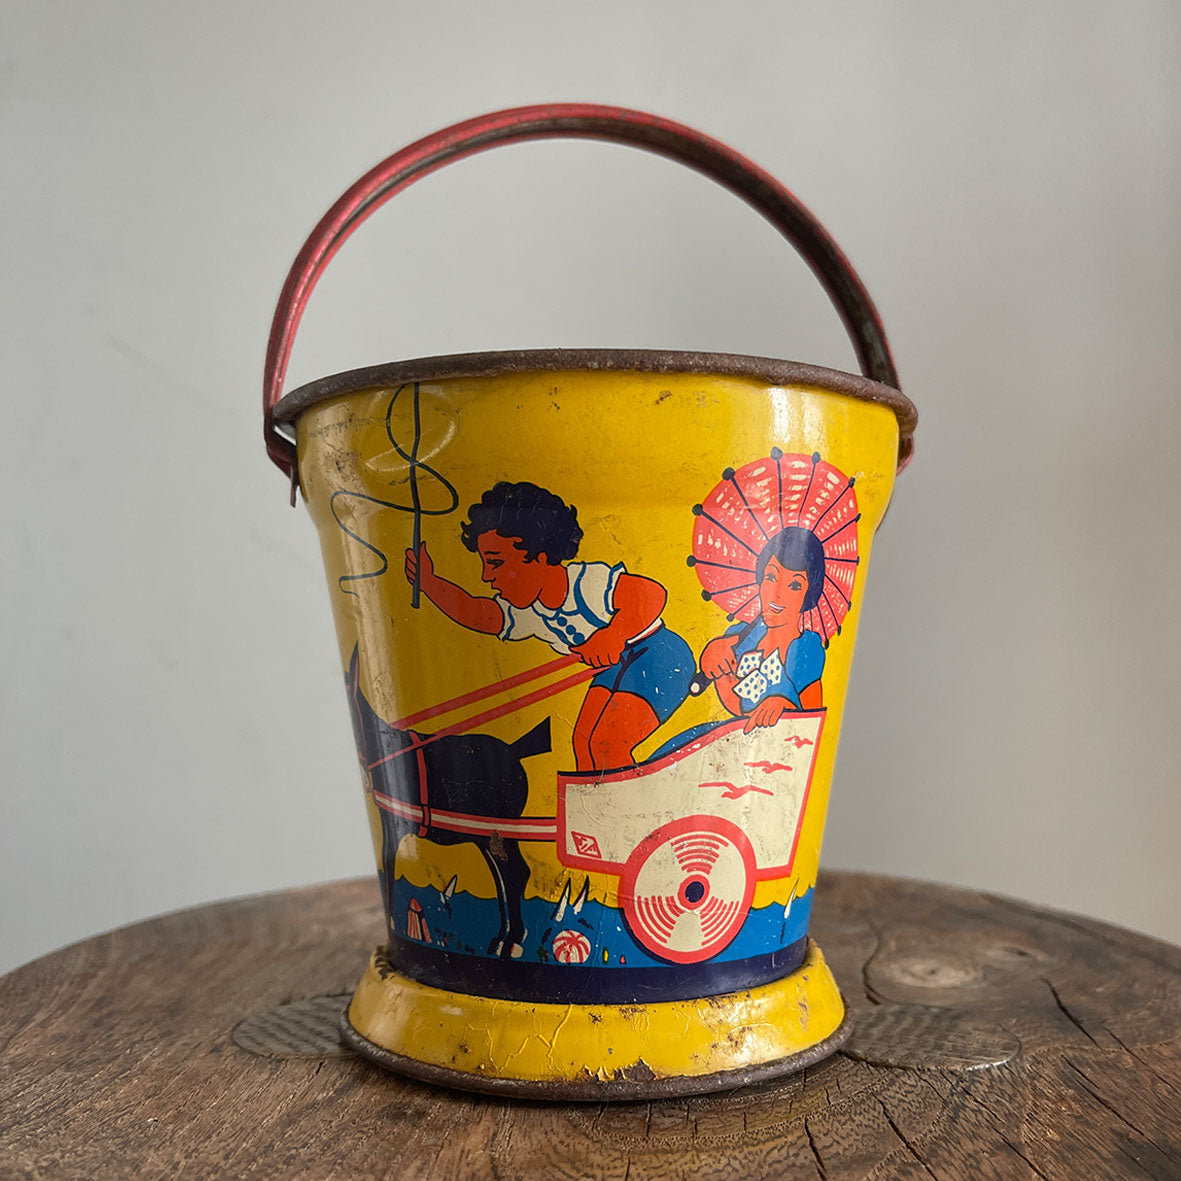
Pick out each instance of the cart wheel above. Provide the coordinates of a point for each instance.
(687, 887)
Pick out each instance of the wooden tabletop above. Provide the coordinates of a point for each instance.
(993, 1039)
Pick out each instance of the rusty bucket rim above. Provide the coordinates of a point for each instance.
(499, 363)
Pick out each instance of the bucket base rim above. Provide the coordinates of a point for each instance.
(724, 1042)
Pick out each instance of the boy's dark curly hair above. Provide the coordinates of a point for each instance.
(540, 519)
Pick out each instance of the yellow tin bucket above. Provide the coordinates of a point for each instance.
(596, 703)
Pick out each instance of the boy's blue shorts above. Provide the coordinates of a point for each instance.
(657, 668)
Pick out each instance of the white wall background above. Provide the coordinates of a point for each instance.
(1006, 178)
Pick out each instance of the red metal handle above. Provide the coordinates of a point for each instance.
(573, 121)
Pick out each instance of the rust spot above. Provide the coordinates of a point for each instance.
(663, 395)
(381, 962)
(640, 1073)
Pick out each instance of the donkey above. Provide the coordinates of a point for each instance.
(475, 774)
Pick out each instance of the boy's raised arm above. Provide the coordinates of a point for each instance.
(476, 612)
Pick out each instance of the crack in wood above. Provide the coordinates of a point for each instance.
(992, 1117)
(909, 1147)
(1143, 1062)
(815, 1152)
(1067, 1013)
(1091, 1087)
(925, 1077)
(871, 993)
(1125, 1153)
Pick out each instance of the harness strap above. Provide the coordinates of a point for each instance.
(423, 790)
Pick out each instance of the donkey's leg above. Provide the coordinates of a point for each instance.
(496, 947)
(516, 874)
(391, 838)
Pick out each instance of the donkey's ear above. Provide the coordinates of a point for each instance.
(354, 668)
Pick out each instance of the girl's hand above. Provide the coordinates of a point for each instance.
(600, 649)
(420, 565)
(767, 713)
(718, 657)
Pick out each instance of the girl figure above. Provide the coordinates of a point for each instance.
(526, 538)
(774, 665)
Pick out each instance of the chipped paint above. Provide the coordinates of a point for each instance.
(485, 1038)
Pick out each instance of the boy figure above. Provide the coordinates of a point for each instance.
(526, 538)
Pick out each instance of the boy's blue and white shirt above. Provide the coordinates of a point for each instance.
(589, 606)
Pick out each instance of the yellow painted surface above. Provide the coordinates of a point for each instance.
(528, 1042)
(634, 452)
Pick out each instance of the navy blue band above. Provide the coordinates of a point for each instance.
(580, 984)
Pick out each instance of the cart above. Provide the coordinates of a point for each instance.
(688, 834)
(692, 833)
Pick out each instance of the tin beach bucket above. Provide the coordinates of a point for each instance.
(596, 704)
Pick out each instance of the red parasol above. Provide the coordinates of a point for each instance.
(750, 506)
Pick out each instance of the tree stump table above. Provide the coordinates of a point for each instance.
(993, 1039)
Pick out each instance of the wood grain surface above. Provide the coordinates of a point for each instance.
(994, 1040)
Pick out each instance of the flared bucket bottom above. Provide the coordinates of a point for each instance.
(597, 1053)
